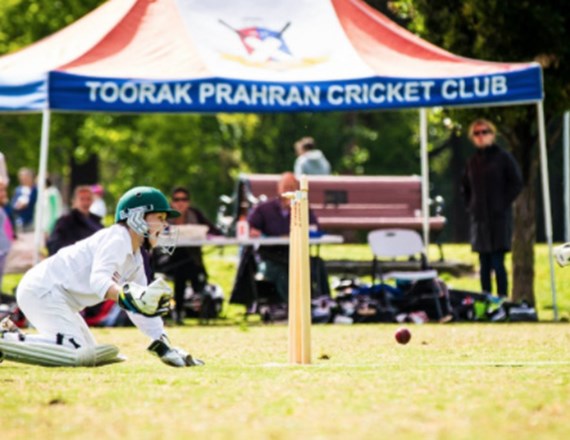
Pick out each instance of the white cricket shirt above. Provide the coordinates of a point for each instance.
(85, 270)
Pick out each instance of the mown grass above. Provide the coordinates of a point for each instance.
(452, 381)
(458, 381)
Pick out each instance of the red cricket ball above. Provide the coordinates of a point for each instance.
(403, 335)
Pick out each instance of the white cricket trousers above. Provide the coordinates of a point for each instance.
(53, 317)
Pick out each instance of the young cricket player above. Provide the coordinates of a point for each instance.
(106, 265)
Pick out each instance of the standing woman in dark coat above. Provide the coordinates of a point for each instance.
(491, 182)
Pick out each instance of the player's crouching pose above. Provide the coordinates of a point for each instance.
(106, 265)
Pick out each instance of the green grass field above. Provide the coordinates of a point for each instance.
(452, 381)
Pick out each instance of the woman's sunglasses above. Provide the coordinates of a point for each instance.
(481, 132)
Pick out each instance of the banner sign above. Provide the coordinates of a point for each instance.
(72, 92)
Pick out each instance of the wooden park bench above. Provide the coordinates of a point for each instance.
(344, 203)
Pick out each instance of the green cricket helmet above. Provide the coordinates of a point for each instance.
(139, 201)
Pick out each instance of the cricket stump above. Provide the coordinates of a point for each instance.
(299, 278)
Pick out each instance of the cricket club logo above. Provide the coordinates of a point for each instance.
(266, 48)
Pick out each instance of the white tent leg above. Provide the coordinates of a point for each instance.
(41, 184)
(425, 177)
(566, 165)
(546, 199)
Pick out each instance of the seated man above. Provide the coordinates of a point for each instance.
(78, 224)
(272, 219)
(186, 263)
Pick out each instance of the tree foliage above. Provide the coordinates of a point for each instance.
(23, 22)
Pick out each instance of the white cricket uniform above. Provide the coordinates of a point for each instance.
(52, 293)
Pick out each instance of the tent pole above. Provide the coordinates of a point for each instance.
(546, 199)
(41, 184)
(566, 165)
(425, 177)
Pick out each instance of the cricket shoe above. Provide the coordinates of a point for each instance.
(8, 326)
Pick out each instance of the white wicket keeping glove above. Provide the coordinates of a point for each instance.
(151, 300)
(175, 357)
(562, 254)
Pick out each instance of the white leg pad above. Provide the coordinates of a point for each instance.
(52, 355)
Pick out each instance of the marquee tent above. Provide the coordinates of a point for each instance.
(208, 56)
(249, 56)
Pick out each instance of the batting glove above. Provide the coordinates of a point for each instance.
(151, 300)
(175, 357)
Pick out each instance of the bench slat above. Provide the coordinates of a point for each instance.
(435, 223)
(328, 213)
(357, 202)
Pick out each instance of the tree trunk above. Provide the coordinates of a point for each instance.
(350, 122)
(524, 147)
(460, 231)
(524, 236)
(84, 173)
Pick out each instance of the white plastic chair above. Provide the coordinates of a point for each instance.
(393, 243)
